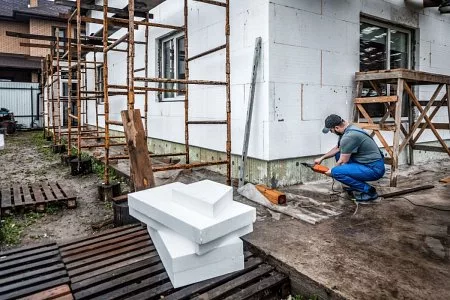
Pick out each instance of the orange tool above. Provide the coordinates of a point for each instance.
(316, 168)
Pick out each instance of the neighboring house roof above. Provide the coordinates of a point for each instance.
(9, 9)
(18, 62)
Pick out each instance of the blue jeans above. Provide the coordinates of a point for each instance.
(355, 175)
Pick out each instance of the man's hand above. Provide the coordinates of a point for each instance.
(318, 161)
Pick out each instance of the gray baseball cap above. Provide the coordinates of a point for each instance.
(331, 121)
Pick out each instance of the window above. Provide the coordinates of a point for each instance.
(99, 84)
(172, 64)
(62, 35)
(383, 47)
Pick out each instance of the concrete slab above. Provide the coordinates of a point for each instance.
(206, 197)
(398, 248)
(200, 249)
(185, 267)
(157, 204)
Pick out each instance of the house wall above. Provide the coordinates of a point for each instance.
(249, 20)
(314, 54)
(9, 44)
(42, 27)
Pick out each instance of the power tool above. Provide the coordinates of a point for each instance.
(316, 168)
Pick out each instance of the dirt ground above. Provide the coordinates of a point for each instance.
(26, 159)
(397, 248)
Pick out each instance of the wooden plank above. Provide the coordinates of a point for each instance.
(436, 125)
(56, 191)
(429, 148)
(6, 197)
(47, 192)
(377, 133)
(113, 241)
(36, 288)
(274, 286)
(26, 275)
(27, 199)
(99, 238)
(4, 289)
(396, 143)
(112, 248)
(433, 113)
(407, 191)
(123, 285)
(105, 261)
(427, 119)
(17, 195)
(23, 268)
(61, 292)
(203, 286)
(24, 249)
(66, 191)
(87, 261)
(375, 126)
(109, 275)
(38, 196)
(223, 289)
(155, 293)
(409, 75)
(422, 115)
(140, 162)
(114, 266)
(378, 99)
(28, 259)
(4, 257)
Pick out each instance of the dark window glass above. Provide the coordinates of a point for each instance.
(372, 48)
(168, 66)
(399, 50)
(181, 62)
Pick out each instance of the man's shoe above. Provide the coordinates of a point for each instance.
(349, 191)
(365, 197)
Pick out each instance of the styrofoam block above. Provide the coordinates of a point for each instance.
(2, 142)
(200, 249)
(157, 204)
(184, 267)
(206, 197)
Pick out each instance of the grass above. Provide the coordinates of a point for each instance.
(43, 145)
(12, 228)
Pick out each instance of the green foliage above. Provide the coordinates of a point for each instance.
(43, 145)
(12, 228)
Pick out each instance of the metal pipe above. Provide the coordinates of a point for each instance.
(79, 80)
(228, 88)
(130, 57)
(186, 76)
(105, 88)
(69, 87)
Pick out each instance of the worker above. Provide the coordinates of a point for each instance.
(358, 159)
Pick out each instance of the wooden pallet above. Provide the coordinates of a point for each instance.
(123, 263)
(36, 195)
(27, 271)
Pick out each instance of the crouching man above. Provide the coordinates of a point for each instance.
(358, 158)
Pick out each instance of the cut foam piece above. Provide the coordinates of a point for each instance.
(206, 197)
(200, 249)
(156, 203)
(184, 267)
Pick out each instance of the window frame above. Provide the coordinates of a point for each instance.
(174, 37)
(389, 27)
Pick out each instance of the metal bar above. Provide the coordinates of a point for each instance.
(212, 2)
(73, 116)
(147, 29)
(145, 88)
(79, 78)
(159, 25)
(187, 76)
(130, 57)
(105, 89)
(248, 123)
(140, 69)
(112, 122)
(182, 81)
(103, 145)
(58, 77)
(189, 166)
(206, 122)
(208, 52)
(69, 87)
(228, 89)
(117, 42)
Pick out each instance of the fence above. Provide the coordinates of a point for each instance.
(22, 99)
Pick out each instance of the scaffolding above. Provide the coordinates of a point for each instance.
(130, 90)
(405, 82)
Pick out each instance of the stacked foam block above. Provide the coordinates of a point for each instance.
(195, 228)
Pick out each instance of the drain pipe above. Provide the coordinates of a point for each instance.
(420, 4)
